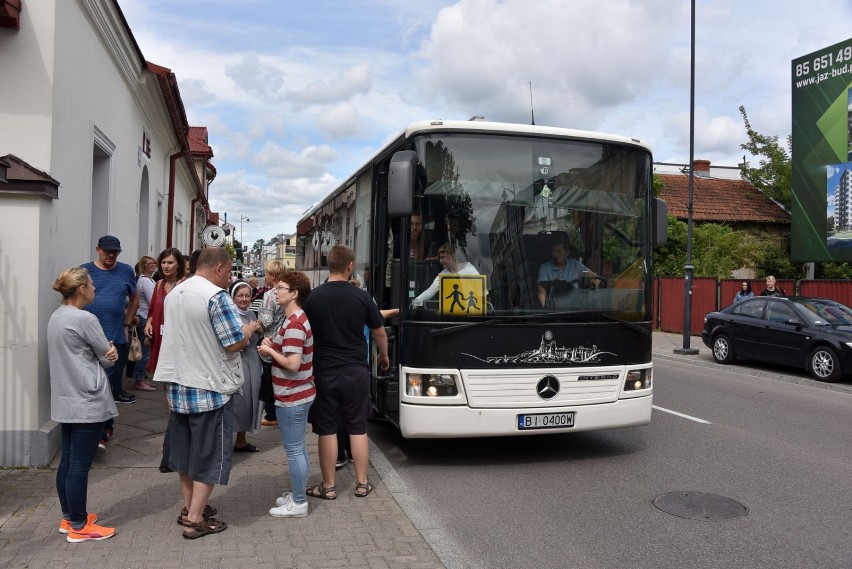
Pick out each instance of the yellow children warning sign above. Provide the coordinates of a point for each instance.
(462, 295)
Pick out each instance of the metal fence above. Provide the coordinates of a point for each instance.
(708, 295)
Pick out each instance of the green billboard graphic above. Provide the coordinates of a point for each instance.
(822, 155)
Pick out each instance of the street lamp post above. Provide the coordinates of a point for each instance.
(242, 245)
(687, 280)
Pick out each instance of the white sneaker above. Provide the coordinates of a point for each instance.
(290, 509)
(284, 498)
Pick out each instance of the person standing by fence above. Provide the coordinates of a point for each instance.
(771, 289)
(744, 292)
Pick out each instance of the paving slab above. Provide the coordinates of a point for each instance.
(128, 492)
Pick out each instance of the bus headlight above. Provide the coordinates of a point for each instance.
(430, 385)
(638, 379)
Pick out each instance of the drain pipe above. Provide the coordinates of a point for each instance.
(170, 210)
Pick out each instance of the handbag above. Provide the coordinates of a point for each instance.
(135, 353)
(266, 393)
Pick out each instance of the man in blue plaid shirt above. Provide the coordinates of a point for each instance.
(200, 364)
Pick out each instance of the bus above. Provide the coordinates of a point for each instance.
(451, 222)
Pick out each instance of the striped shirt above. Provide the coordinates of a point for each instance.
(228, 327)
(294, 388)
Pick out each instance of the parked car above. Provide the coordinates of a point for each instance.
(804, 332)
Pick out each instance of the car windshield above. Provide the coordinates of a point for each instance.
(548, 226)
(825, 312)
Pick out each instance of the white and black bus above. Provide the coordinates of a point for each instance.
(520, 258)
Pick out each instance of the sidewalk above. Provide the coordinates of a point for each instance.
(128, 492)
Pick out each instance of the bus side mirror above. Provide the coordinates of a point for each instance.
(401, 176)
(660, 219)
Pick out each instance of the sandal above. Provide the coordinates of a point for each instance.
(248, 447)
(320, 491)
(144, 386)
(204, 527)
(366, 487)
(208, 513)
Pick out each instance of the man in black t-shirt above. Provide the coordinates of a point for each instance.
(771, 289)
(338, 313)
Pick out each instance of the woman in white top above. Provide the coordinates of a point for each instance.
(447, 258)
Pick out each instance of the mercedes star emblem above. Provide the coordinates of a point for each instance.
(547, 387)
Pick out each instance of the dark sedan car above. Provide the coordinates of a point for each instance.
(810, 333)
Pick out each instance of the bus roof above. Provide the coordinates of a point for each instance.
(514, 128)
(422, 127)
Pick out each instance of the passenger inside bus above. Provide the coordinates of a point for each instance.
(447, 259)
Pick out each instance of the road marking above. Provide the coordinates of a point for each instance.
(690, 417)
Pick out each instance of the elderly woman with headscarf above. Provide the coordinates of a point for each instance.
(247, 406)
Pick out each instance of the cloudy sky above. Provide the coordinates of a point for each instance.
(298, 94)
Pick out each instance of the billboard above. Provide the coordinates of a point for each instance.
(822, 155)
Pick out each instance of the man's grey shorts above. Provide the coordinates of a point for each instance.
(200, 444)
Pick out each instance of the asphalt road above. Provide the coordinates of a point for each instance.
(779, 444)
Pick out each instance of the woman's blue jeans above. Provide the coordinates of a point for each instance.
(79, 445)
(292, 422)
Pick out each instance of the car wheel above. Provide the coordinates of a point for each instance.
(824, 365)
(723, 352)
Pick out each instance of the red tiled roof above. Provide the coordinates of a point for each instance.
(719, 200)
(197, 137)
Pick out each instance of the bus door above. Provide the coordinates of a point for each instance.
(385, 287)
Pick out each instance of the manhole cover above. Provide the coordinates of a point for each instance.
(700, 506)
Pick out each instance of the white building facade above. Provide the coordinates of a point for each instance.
(79, 103)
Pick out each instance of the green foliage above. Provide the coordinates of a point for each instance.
(230, 249)
(658, 185)
(774, 173)
(718, 250)
(836, 271)
(670, 259)
(238, 250)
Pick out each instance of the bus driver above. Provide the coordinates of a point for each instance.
(559, 268)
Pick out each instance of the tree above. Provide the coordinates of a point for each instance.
(230, 249)
(238, 249)
(257, 248)
(774, 174)
(718, 250)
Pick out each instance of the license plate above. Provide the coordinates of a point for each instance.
(546, 421)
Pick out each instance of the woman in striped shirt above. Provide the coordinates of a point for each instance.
(291, 351)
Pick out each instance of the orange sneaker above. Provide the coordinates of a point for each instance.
(91, 532)
(65, 525)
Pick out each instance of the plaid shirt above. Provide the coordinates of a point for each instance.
(228, 327)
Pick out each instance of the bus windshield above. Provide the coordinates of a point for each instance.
(551, 225)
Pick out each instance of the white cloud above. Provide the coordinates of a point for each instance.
(279, 162)
(257, 76)
(353, 81)
(340, 121)
(296, 101)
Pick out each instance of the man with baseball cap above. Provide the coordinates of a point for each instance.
(115, 307)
